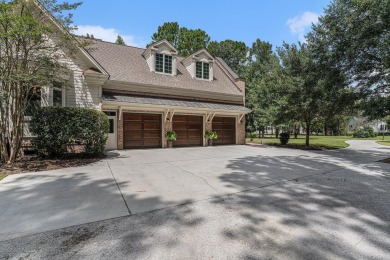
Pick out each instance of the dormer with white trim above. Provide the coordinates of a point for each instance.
(162, 58)
(200, 65)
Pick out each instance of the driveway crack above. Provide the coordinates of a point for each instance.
(120, 191)
(195, 175)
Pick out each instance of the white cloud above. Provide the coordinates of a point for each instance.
(299, 25)
(109, 35)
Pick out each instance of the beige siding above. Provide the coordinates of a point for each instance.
(190, 66)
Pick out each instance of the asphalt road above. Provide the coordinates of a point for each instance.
(335, 206)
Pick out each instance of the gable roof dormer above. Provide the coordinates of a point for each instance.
(162, 58)
(200, 65)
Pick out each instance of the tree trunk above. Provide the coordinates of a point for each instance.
(307, 135)
(296, 131)
(326, 129)
(277, 129)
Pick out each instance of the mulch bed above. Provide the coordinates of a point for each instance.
(37, 164)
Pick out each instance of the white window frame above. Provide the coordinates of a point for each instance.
(203, 62)
(155, 64)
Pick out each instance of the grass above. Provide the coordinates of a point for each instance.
(3, 175)
(387, 143)
(318, 142)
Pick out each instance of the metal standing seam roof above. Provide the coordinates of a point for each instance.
(127, 64)
(171, 102)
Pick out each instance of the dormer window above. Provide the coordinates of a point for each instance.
(200, 65)
(202, 70)
(161, 57)
(163, 63)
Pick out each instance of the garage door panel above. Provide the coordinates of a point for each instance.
(133, 144)
(226, 130)
(142, 130)
(189, 130)
(180, 127)
(152, 125)
(133, 135)
(133, 117)
(132, 127)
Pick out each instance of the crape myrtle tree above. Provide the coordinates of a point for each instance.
(30, 44)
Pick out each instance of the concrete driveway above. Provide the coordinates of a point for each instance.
(138, 181)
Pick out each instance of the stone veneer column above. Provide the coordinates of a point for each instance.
(120, 132)
(241, 138)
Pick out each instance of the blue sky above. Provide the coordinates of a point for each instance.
(270, 20)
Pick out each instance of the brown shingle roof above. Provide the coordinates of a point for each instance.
(126, 63)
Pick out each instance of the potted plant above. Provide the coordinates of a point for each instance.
(210, 136)
(170, 136)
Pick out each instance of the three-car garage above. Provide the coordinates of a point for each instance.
(145, 130)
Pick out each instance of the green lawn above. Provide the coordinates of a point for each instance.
(2, 175)
(319, 142)
(384, 142)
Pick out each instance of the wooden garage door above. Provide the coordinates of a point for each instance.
(141, 131)
(189, 130)
(226, 130)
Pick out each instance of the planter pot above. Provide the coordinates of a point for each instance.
(210, 142)
(170, 144)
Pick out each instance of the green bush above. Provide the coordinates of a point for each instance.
(365, 132)
(284, 138)
(251, 135)
(56, 128)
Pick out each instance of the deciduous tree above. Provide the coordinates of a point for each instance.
(234, 53)
(186, 41)
(29, 57)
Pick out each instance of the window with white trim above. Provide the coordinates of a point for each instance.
(202, 70)
(163, 63)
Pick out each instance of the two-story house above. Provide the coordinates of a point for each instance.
(146, 92)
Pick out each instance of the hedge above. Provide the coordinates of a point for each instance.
(56, 128)
(365, 132)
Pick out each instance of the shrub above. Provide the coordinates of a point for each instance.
(251, 135)
(56, 128)
(171, 135)
(284, 138)
(365, 132)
